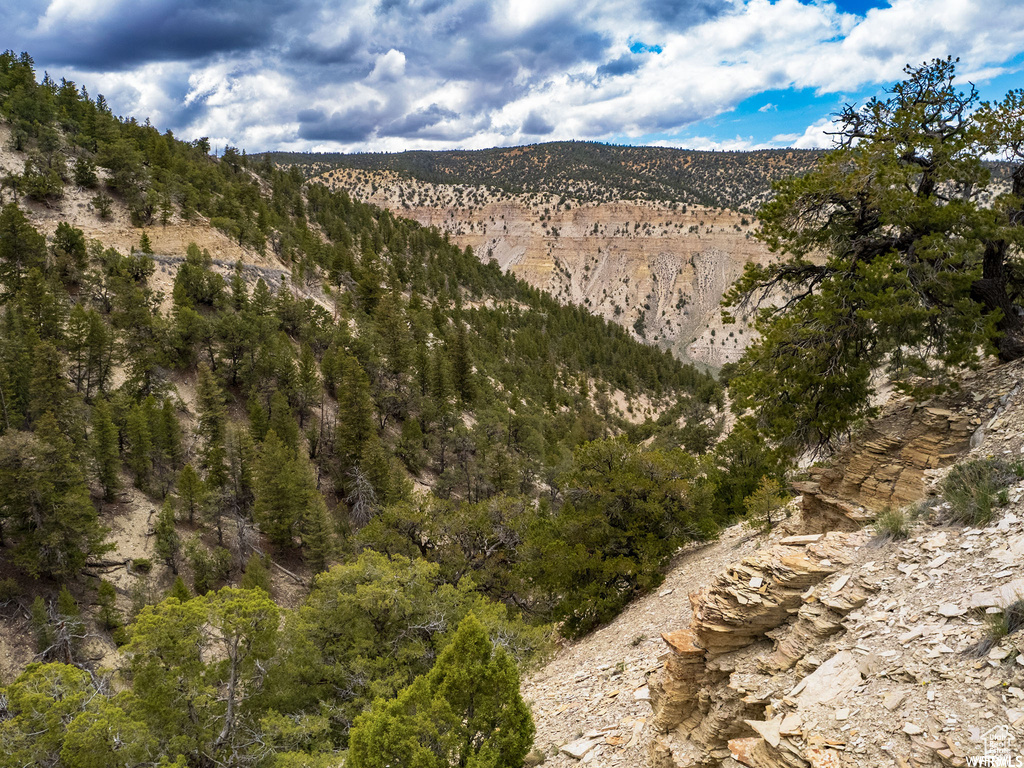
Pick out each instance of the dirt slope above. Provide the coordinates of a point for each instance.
(831, 649)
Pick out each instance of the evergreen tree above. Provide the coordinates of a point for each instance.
(179, 591)
(191, 493)
(282, 421)
(281, 493)
(256, 575)
(140, 446)
(317, 540)
(168, 543)
(106, 596)
(466, 711)
(355, 412)
(21, 248)
(49, 516)
(105, 449)
(212, 429)
(890, 257)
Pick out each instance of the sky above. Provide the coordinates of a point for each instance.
(394, 75)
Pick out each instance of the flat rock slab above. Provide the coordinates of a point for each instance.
(579, 748)
(801, 541)
(1000, 597)
(835, 677)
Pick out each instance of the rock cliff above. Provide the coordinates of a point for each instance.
(657, 268)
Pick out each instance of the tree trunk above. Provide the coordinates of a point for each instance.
(992, 292)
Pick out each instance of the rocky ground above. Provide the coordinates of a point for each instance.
(596, 688)
(829, 649)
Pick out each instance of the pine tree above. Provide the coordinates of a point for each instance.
(52, 522)
(317, 540)
(106, 597)
(283, 422)
(168, 543)
(280, 497)
(140, 447)
(105, 451)
(462, 364)
(212, 429)
(191, 493)
(179, 590)
(308, 391)
(466, 711)
(256, 575)
(355, 412)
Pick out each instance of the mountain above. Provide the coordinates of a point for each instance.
(644, 237)
(229, 392)
(588, 172)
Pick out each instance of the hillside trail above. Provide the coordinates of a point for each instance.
(879, 653)
(599, 683)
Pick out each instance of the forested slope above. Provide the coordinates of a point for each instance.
(276, 420)
(588, 171)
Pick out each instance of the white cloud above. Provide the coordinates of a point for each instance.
(389, 67)
(813, 137)
(479, 71)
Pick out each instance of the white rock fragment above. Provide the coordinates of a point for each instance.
(579, 748)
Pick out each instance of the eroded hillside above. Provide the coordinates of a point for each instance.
(658, 269)
(852, 645)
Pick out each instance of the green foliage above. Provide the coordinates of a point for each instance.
(588, 171)
(466, 711)
(105, 449)
(191, 493)
(179, 591)
(196, 665)
(892, 260)
(208, 567)
(167, 540)
(626, 512)
(973, 490)
(431, 366)
(48, 518)
(764, 506)
(370, 627)
(286, 494)
(109, 616)
(256, 575)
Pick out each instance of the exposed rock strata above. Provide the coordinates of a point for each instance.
(657, 268)
(704, 713)
(893, 460)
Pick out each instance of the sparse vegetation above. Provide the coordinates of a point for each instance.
(974, 490)
(587, 171)
(892, 524)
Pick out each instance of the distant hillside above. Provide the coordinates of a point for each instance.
(590, 172)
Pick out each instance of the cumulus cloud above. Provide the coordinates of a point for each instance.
(401, 74)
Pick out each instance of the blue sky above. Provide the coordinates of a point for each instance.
(432, 74)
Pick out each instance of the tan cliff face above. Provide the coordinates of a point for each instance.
(658, 269)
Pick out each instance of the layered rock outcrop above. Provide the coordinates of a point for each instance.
(706, 715)
(893, 461)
